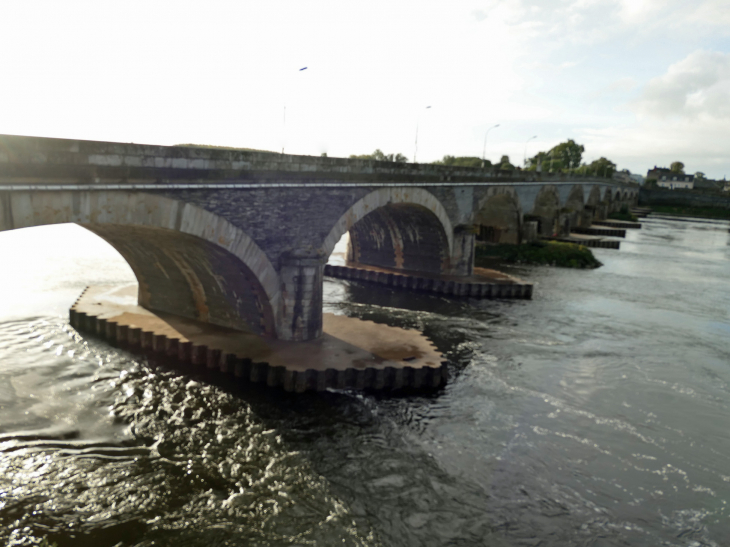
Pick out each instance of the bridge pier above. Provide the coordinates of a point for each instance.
(300, 313)
(462, 257)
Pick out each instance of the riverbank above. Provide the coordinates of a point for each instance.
(549, 253)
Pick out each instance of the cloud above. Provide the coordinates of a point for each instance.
(698, 86)
(675, 13)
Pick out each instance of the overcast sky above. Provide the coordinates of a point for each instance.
(642, 82)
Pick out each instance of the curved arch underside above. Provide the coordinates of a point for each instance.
(547, 209)
(575, 212)
(400, 236)
(185, 275)
(188, 261)
(499, 219)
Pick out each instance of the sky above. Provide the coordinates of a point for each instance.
(641, 82)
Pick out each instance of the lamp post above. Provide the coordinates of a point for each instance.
(524, 156)
(484, 148)
(415, 150)
(284, 127)
(552, 159)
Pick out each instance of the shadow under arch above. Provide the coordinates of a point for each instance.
(398, 228)
(607, 200)
(591, 210)
(572, 213)
(188, 261)
(547, 210)
(499, 218)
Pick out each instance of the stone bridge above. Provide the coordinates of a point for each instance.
(239, 239)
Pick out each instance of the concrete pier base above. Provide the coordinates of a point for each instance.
(596, 230)
(483, 283)
(351, 354)
(626, 224)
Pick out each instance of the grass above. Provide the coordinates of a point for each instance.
(551, 253)
(690, 211)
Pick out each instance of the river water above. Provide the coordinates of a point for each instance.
(596, 414)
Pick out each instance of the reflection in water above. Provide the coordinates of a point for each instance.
(595, 414)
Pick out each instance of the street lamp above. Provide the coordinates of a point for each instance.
(284, 127)
(524, 156)
(484, 149)
(415, 150)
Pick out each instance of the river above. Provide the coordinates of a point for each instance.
(595, 414)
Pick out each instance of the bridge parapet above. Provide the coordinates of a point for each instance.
(36, 159)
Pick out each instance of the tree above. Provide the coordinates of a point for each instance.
(677, 167)
(601, 168)
(505, 165)
(379, 155)
(699, 175)
(567, 154)
(464, 161)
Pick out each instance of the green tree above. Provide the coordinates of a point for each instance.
(699, 175)
(601, 168)
(505, 165)
(464, 161)
(677, 167)
(565, 155)
(569, 153)
(379, 155)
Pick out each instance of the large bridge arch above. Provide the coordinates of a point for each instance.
(592, 208)
(499, 217)
(573, 210)
(187, 261)
(546, 210)
(399, 228)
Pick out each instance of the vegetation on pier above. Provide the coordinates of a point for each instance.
(550, 253)
(623, 214)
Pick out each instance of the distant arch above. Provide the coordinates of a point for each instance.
(498, 218)
(400, 228)
(546, 210)
(592, 207)
(572, 212)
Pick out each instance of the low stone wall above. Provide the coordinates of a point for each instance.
(471, 289)
(682, 198)
(186, 356)
(600, 231)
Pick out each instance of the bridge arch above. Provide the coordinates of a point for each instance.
(572, 213)
(498, 217)
(188, 261)
(592, 208)
(399, 228)
(547, 210)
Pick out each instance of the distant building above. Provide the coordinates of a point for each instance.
(676, 181)
(657, 172)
